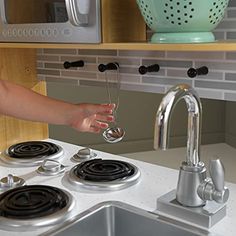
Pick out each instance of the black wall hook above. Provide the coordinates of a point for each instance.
(192, 72)
(144, 69)
(68, 64)
(109, 66)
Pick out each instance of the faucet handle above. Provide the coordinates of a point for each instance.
(214, 188)
(217, 173)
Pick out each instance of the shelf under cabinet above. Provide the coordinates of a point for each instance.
(216, 46)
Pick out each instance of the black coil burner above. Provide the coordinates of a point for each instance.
(32, 149)
(30, 202)
(103, 170)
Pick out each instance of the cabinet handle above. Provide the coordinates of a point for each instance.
(144, 69)
(109, 66)
(192, 72)
(68, 64)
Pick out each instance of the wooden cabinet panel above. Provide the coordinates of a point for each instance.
(19, 66)
(122, 22)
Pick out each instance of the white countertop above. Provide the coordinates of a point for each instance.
(155, 181)
(173, 158)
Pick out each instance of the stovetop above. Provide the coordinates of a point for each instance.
(83, 199)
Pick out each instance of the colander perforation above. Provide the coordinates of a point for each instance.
(146, 12)
(216, 12)
(178, 12)
(183, 16)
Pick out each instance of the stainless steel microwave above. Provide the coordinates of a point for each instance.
(53, 21)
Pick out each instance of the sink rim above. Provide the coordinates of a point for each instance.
(130, 208)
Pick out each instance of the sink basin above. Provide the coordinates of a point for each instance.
(120, 219)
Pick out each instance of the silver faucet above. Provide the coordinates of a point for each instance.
(193, 188)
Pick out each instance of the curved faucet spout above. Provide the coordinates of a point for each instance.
(162, 124)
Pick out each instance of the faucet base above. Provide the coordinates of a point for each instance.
(190, 178)
(204, 217)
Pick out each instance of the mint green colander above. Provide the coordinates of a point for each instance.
(182, 21)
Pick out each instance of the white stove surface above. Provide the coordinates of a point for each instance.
(85, 199)
(154, 182)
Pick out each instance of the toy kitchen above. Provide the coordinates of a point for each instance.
(50, 187)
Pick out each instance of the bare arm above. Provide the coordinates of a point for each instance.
(23, 103)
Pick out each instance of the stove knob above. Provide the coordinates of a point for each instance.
(84, 154)
(51, 167)
(11, 182)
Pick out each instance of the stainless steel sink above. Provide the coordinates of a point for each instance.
(119, 219)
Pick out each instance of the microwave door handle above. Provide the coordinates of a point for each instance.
(78, 11)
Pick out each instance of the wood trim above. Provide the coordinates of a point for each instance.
(216, 46)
